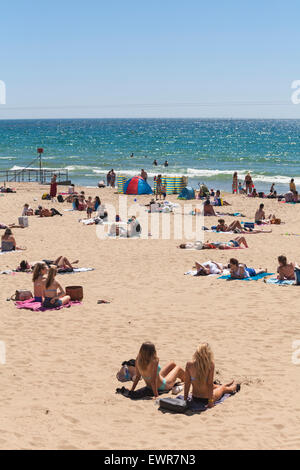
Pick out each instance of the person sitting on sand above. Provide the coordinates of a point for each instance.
(8, 242)
(53, 294)
(96, 203)
(38, 278)
(286, 271)
(199, 373)
(253, 194)
(208, 208)
(27, 211)
(272, 195)
(209, 267)
(218, 201)
(241, 271)
(156, 378)
(237, 242)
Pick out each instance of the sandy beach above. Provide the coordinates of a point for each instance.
(58, 383)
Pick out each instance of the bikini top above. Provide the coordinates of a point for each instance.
(158, 371)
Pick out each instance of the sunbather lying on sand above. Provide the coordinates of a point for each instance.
(42, 212)
(241, 271)
(199, 373)
(62, 263)
(127, 371)
(156, 378)
(286, 271)
(209, 267)
(237, 228)
(235, 243)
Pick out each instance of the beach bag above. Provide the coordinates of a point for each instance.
(173, 404)
(75, 292)
(297, 276)
(60, 198)
(23, 221)
(22, 295)
(261, 195)
(46, 196)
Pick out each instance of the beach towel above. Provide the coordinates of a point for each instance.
(76, 270)
(12, 251)
(252, 278)
(37, 306)
(281, 283)
(139, 394)
(194, 273)
(228, 248)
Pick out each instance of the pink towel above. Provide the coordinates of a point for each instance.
(37, 306)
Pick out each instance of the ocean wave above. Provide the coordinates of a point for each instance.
(202, 175)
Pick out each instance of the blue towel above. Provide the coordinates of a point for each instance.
(253, 278)
(281, 283)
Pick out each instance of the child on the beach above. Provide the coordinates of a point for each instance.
(89, 207)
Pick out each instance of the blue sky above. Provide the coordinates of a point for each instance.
(149, 59)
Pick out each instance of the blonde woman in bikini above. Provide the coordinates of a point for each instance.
(156, 378)
(53, 293)
(39, 277)
(199, 373)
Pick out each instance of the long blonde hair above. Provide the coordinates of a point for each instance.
(37, 271)
(146, 354)
(51, 275)
(203, 359)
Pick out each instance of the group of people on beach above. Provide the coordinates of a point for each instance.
(249, 189)
(199, 374)
(47, 290)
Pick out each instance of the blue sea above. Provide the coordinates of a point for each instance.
(206, 150)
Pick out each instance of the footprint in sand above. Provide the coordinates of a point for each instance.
(70, 419)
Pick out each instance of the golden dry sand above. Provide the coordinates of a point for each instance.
(57, 389)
